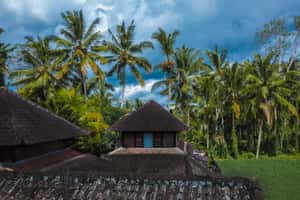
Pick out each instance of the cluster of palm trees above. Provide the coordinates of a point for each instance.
(230, 107)
(52, 62)
(219, 98)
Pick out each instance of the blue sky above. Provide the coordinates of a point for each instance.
(202, 23)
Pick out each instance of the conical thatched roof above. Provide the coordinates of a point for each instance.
(24, 122)
(150, 117)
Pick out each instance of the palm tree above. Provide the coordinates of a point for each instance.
(166, 42)
(215, 75)
(217, 61)
(5, 49)
(37, 76)
(267, 89)
(124, 52)
(81, 45)
(94, 84)
(188, 65)
(232, 85)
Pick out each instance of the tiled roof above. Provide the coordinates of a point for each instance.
(150, 117)
(44, 161)
(24, 122)
(36, 187)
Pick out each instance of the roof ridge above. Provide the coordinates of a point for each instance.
(131, 113)
(43, 109)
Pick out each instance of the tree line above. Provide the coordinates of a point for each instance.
(232, 108)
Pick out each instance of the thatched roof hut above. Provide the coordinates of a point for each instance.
(27, 129)
(150, 126)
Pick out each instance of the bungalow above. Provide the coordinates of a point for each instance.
(28, 130)
(151, 126)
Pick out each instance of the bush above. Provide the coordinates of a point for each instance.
(98, 143)
(247, 155)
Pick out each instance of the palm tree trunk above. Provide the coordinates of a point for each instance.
(297, 139)
(83, 84)
(84, 88)
(275, 129)
(297, 132)
(259, 139)
(216, 125)
(188, 118)
(123, 95)
(233, 121)
(123, 82)
(207, 136)
(169, 96)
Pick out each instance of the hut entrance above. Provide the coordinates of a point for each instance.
(148, 140)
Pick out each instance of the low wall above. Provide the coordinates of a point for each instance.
(25, 187)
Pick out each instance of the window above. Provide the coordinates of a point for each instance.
(169, 140)
(128, 139)
(139, 140)
(158, 138)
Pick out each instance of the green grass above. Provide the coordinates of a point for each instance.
(280, 179)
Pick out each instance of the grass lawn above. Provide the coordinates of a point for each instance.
(280, 179)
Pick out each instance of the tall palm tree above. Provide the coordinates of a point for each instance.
(5, 49)
(233, 79)
(267, 89)
(81, 45)
(166, 42)
(126, 53)
(215, 73)
(37, 76)
(188, 64)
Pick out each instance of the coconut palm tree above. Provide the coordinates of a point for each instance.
(126, 53)
(188, 64)
(267, 89)
(217, 61)
(5, 49)
(37, 77)
(214, 72)
(166, 42)
(81, 44)
(233, 83)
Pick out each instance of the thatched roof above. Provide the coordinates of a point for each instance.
(24, 122)
(150, 117)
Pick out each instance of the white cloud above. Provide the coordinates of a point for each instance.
(112, 13)
(133, 91)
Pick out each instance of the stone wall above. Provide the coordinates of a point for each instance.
(25, 187)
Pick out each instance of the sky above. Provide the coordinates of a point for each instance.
(202, 23)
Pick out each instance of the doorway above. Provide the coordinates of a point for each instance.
(148, 140)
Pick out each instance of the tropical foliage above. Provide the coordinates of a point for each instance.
(233, 109)
(81, 46)
(5, 49)
(124, 52)
(166, 42)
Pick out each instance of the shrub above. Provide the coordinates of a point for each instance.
(247, 155)
(98, 143)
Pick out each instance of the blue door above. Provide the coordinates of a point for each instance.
(148, 140)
